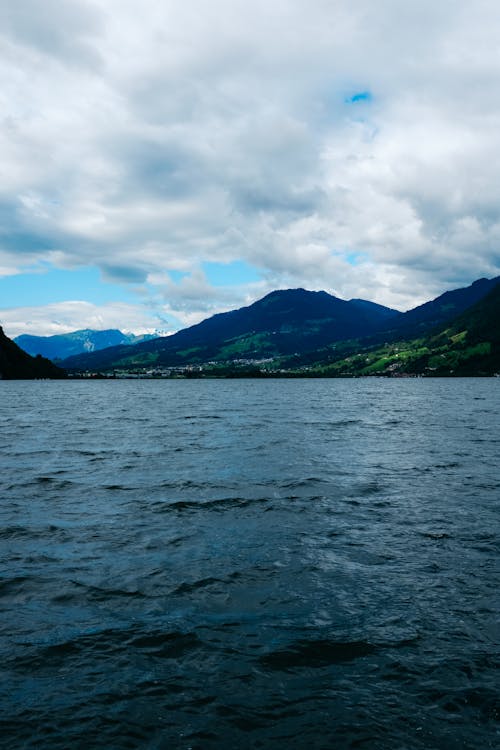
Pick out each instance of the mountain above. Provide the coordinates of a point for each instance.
(420, 320)
(282, 322)
(381, 311)
(63, 345)
(296, 328)
(468, 345)
(15, 364)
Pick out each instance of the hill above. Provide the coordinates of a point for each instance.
(420, 320)
(15, 364)
(282, 322)
(469, 345)
(63, 345)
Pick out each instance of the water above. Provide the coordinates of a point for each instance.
(249, 564)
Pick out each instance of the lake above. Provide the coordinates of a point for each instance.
(249, 564)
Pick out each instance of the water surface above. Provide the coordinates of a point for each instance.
(252, 564)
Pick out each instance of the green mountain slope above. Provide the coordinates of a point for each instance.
(15, 364)
(469, 345)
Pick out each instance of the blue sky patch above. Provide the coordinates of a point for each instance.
(50, 284)
(228, 274)
(178, 275)
(355, 258)
(360, 96)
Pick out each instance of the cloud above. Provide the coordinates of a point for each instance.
(63, 30)
(64, 317)
(293, 136)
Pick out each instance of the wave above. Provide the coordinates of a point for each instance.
(316, 653)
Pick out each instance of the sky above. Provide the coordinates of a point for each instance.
(163, 161)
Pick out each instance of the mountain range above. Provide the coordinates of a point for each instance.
(283, 322)
(466, 345)
(294, 332)
(288, 328)
(64, 345)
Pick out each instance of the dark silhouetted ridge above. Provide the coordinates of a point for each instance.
(17, 365)
(442, 309)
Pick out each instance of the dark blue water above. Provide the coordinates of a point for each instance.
(249, 564)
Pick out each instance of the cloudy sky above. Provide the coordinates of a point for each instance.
(163, 160)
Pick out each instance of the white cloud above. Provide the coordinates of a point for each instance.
(154, 139)
(64, 317)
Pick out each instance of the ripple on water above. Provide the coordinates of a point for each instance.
(211, 564)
